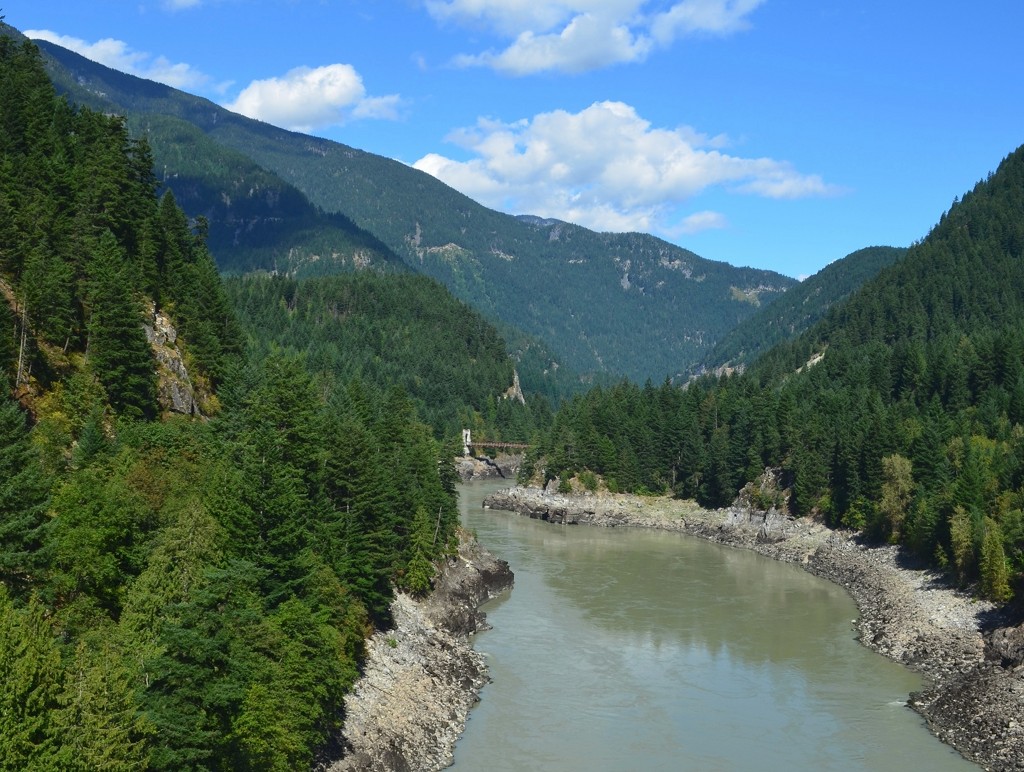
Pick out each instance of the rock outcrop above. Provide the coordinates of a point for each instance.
(504, 466)
(175, 391)
(971, 658)
(422, 677)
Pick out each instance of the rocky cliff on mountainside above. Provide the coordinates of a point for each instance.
(175, 390)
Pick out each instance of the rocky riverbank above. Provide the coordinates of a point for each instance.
(422, 677)
(503, 466)
(973, 661)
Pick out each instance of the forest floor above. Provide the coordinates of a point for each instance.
(970, 657)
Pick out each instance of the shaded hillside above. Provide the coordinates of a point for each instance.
(257, 221)
(798, 309)
(617, 303)
(900, 413)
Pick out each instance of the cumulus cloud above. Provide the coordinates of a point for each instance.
(581, 35)
(118, 55)
(586, 43)
(310, 98)
(607, 168)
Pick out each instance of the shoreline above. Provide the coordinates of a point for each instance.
(422, 677)
(973, 699)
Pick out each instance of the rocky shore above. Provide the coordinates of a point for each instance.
(973, 660)
(504, 466)
(422, 677)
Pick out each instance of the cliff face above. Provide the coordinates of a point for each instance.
(175, 390)
(422, 677)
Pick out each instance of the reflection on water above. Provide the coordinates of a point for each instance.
(621, 649)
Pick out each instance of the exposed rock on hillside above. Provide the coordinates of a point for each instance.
(422, 677)
(175, 391)
(482, 467)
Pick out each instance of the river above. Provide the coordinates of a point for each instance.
(623, 649)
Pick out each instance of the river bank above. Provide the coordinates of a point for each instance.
(422, 676)
(975, 692)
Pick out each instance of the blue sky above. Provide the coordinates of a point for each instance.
(779, 134)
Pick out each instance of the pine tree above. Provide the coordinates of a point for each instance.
(31, 682)
(47, 286)
(23, 493)
(995, 576)
(99, 723)
(118, 352)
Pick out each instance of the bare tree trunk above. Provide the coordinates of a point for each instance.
(21, 348)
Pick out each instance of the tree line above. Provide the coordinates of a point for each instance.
(900, 414)
(179, 593)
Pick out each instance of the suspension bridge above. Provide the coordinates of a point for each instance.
(468, 444)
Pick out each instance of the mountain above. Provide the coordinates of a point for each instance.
(900, 413)
(798, 309)
(178, 593)
(257, 221)
(392, 330)
(616, 303)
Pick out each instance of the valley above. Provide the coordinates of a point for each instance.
(219, 576)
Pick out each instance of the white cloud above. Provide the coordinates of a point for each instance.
(306, 99)
(586, 43)
(607, 168)
(716, 17)
(703, 221)
(118, 55)
(385, 108)
(582, 35)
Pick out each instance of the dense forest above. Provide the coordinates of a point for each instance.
(901, 413)
(179, 593)
(798, 309)
(389, 329)
(611, 304)
(256, 220)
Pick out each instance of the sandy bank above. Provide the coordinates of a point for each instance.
(975, 695)
(422, 677)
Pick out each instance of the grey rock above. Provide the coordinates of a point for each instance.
(422, 677)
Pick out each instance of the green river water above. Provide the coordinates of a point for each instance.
(624, 649)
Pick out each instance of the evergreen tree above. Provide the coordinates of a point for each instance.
(31, 683)
(99, 723)
(995, 577)
(119, 354)
(23, 494)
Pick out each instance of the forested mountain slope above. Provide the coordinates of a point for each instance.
(181, 593)
(798, 309)
(256, 219)
(616, 303)
(900, 413)
(395, 330)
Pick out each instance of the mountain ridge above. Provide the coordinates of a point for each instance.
(798, 309)
(627, 304)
